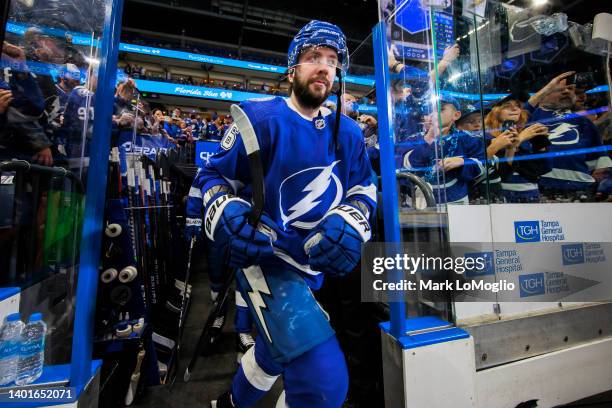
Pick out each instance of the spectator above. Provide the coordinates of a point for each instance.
(571, 174)
(157, 128)
(604, 190)
(471, 119)
(21, 106)
(445, 149)
(172, 127)
(349, 105)
(124, 94)
(509, 137)
(213, 129)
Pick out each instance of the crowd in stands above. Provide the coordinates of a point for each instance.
(222, 52)
(172, 125)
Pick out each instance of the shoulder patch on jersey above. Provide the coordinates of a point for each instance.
(81, 91)
(230, 137)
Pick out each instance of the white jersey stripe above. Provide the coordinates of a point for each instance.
(195, 192)
(368, 191)
(571, 175)
(256, 376)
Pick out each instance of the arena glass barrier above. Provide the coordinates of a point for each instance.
(505, 111)
(50, 146)
(415, 188)
(492, 105)
(542, 114)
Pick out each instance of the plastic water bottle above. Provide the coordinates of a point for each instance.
(10, 336)
(32, 350)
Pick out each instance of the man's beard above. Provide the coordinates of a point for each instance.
(560, 104)
(305, 96)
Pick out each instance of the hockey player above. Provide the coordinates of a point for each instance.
(216, 266)
(318, 200)
(574, 139)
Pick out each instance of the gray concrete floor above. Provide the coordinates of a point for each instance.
(213, 374)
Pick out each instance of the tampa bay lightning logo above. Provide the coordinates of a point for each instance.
(564, 134)
(306, 196)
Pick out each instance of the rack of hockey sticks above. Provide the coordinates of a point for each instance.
(151, 191)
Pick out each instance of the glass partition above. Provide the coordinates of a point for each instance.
(419, 133)
(543, 99)
(50, 60)
(494, 104)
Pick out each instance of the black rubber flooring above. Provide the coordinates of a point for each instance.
(213, 374)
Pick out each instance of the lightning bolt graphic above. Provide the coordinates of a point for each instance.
(258, 285)
(316, 188)
(561, 130)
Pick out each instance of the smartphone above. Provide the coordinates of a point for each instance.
(507, 124)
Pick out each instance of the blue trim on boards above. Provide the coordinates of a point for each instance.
(7, 292)
(387, 165)
(426, 339)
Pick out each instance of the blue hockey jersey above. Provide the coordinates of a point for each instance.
(198, 129)
(305, 175)
(212, 132)
(452, 186)
(576, 149)
(62, 99)
(78, 120)
(172, 129)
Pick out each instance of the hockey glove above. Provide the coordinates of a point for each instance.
(193, 228)
(226, 223)
(334, 246)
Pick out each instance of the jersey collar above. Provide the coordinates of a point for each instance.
(323, 111)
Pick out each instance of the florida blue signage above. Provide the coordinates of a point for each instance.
(229, 95)
(145, 85)
(204, 150)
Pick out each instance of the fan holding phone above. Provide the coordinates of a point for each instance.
(509, 136)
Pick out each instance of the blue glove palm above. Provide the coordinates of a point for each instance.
(334, 246)
(247, 246)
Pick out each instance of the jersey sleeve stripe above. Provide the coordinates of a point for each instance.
(368, 191)
(195, 193)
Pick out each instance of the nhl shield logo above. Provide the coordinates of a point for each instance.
(320, 123)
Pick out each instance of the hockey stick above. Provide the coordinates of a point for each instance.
(257, 179)
(182, 314)
(255, 165)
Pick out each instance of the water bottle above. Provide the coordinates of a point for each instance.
(10, 336)
(32, 350)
